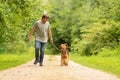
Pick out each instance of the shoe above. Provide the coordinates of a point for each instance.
(35, 62)
(40, 64)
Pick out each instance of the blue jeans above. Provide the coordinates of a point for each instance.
(39, 51)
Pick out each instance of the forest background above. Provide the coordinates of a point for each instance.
(89, 27)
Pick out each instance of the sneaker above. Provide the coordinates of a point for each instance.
(40, 64)
(35, 62)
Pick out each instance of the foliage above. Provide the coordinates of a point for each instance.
(88, 26)
(107, 53)
(16, 20)
(93, 26)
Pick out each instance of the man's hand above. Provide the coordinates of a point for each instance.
(29, 37)
(51, 40)
(30, 34)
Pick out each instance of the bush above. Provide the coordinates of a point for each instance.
(15, 48)
(96, 38)
(108, 52)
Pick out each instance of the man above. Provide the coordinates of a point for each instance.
(42, 28)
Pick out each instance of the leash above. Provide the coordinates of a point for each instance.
(55, 47)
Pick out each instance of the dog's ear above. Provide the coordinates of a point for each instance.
(66, 45)
(60, 46)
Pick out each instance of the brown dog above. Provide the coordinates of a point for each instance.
(64, 54)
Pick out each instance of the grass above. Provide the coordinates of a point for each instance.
(109, 64)
(8, 60)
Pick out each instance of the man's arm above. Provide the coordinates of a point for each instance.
(30, 34)
(50, 35)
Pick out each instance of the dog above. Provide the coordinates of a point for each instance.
(64, 54)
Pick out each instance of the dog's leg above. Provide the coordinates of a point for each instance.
(62, 62)
(65, 62)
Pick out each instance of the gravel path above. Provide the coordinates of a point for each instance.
(53, 71)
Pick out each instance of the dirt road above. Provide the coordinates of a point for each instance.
(53, 71)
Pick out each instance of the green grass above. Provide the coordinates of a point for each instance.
(110, 64)
(8, 60)
(107, 64)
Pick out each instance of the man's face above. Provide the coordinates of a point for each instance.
(45, 19)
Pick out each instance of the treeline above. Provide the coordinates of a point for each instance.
(16, 18)
(88, 26)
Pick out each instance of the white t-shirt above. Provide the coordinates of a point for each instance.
(42, 31)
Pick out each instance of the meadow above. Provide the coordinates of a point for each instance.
(8, 60)
(107, 64)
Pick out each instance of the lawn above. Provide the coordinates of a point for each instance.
(8, 60)
(107, 64)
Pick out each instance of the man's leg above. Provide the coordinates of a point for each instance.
(37, 47)
(42, 49)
